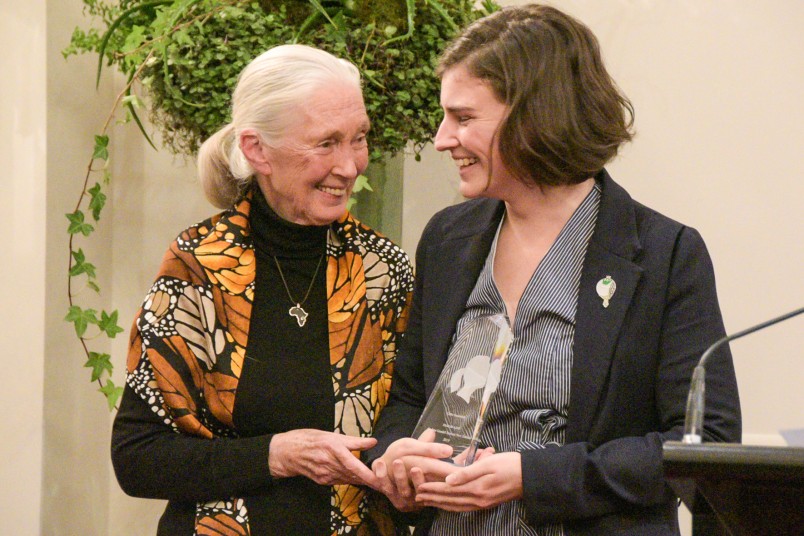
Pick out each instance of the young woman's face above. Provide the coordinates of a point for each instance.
(308, 178)
(472, 117)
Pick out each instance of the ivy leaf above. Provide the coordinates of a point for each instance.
(94, 286)
(162, 21)
(78, 256)
(97, 200)
(112, 392)
(134, 38)
(362, 183)
(108, 324)
(77, 224)
(81, 318)
(101, 150)
(182, 37)
(99, 363)
(81, 266)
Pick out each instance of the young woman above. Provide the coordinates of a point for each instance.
(611, 304)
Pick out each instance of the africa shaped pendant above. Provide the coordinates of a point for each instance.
(300, 314)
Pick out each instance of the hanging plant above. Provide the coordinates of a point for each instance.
(181, 60)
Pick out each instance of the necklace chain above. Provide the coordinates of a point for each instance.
(297, 311)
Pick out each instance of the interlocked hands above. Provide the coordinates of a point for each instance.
(413, 474)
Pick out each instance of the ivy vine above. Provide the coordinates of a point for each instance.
(184, 57)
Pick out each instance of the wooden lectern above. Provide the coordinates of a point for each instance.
(738, 490)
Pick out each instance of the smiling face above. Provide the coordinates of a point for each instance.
(308, 176)
(472, 116)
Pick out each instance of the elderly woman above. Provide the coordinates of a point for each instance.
(611, 304)
(262, 356)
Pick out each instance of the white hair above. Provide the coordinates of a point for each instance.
(273, 84)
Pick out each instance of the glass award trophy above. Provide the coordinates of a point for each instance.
(457, 406)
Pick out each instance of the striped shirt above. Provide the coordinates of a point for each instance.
(529, 409)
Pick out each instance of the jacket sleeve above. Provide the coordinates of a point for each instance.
(150, 456)
(153, 461)
(617, 471)
(407, 397)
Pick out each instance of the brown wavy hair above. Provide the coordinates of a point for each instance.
(566, 116)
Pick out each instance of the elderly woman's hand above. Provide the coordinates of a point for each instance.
(326, 458)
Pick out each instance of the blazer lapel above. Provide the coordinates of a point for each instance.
(454, 266)
(612, 249)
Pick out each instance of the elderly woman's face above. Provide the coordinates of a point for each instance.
(472, 116)
(310, 174)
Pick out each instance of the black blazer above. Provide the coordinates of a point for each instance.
(632, 361)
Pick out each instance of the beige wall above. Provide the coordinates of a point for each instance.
(75, 469)
(716, 86)
(22, 203)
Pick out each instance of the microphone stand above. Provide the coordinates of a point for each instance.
(693, 421)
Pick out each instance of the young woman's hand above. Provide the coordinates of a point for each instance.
(493, 479)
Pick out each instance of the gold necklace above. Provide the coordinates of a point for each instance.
(297, 311)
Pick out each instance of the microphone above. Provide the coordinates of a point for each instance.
(693, 421)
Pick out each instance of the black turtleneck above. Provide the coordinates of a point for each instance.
(286, 383)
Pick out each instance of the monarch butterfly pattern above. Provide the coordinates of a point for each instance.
(189, 341)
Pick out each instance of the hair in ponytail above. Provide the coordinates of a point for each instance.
(220, 186)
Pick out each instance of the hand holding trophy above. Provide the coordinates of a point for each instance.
(456, 409)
